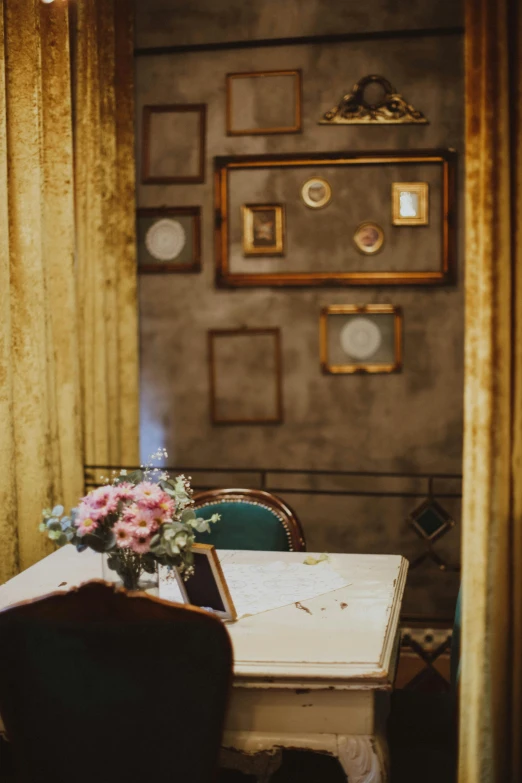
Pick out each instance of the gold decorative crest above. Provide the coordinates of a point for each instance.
(373, 100)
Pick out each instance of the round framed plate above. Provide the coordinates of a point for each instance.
(360, 338)
(316, 193)
(165, 239)
(369, 238)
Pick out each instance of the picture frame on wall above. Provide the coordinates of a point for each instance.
(263, 229)
(173, 144)
(207, 587)
(263, 103)
(360, 339)
(168, 240)
(254, 356)
(410, 203)
(351, 242)
(316, 193)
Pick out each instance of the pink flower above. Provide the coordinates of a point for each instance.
(86, 525)
(100, 502)
(124, 491)
(148, 494)
(123, 533)
(139, 520)
(163, 512)
(140, 543)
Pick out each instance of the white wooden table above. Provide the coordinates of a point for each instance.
(314, 675)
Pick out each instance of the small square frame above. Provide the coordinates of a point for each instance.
(295, 128)
(147, 177)
(447, 520)
(421, 189)
(173, 266)
(217, 333)
(360, 367)
(249, 247)
(211, 580)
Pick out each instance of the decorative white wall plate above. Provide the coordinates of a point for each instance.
(165, 239)
(360, 338)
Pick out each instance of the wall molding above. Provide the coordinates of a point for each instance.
(262, 43)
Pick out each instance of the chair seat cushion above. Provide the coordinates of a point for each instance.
(244, 525)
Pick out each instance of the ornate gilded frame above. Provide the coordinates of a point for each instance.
(421, 189)
(295, 128)
(446, 159)
(360, 367)
(249, 246)
(173, 266)
(217, 333)
(179, 108)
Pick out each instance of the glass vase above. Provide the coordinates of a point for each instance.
(131, 571)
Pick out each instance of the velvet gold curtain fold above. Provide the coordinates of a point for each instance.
(40, 451)
(68, 332)
(491, 686)
(105, 208)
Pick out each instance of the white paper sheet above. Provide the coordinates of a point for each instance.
(260, 588)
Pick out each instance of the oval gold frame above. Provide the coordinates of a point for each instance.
(316, 204)
(378, 245)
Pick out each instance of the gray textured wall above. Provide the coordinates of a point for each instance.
(175, 22)
(410, 421)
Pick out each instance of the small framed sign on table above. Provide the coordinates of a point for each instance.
(207, 587)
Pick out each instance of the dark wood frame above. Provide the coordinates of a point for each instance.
(172, 266)
(296, 128)
(209, 551)
(291, 521)
(440, 157)
(216, 333)
(146, 177)
(360, 367)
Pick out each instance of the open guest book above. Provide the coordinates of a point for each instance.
(232, 590)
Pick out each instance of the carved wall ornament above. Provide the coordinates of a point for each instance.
(373, 100)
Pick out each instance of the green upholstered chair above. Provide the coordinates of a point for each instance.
(250, 519)
(100, 685)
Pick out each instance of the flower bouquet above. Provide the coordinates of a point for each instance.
(139, 520)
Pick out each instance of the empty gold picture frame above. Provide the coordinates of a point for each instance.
(368, 347)
(239, 354)
(274, 88)
(263, 229)
(173, 144)
(410, 203)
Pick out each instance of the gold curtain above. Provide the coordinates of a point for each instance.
(40, 452)
(491, 697)
(105, 208)
(68, 333)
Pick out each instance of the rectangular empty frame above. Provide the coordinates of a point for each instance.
(263, 102)
(360, 339)
(169, 239)
(245, 377)
(173, 144)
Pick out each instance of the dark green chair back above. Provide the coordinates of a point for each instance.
(99, 685)
(250, 519)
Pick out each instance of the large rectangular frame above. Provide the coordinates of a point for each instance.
(172, 266)
(177, 108)
(276, 333)
(360, 367)
(446, 274)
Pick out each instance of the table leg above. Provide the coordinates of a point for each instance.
(362, 758)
